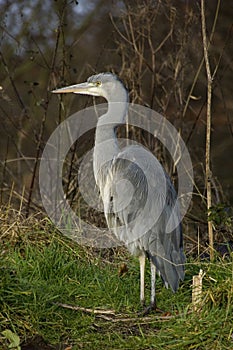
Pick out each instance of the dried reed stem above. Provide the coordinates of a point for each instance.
(197, 291)
(208, 127)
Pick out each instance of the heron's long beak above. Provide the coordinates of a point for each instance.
(83, 88)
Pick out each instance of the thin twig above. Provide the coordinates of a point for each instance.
(203, 59)
(208, 127)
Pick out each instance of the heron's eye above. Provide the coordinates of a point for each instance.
(97, 83)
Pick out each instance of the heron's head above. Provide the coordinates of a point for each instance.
(107, 85)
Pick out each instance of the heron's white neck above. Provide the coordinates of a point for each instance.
(106, 144)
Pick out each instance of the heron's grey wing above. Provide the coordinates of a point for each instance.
(129, 197)
(165, 249)
(125, 193)
(139, 200)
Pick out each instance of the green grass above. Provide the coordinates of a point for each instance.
(40, 269)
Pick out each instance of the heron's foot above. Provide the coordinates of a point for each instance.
(143, 304)
(151, 308)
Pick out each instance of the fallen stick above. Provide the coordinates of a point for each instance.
(87, 310)
(110, 315)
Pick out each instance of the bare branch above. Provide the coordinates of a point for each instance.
(208, 123)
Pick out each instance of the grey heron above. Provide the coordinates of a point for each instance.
(118, 178)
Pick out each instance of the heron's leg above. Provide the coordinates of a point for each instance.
(153, 280)
(142, 261)
(152, 305)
